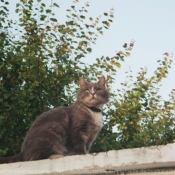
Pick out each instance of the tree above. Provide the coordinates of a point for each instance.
(139, 116)
(40, 63)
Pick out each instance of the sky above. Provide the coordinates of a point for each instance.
(150, 23)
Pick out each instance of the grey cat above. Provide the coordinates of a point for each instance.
(65, 130)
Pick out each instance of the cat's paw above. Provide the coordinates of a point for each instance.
(55, 156)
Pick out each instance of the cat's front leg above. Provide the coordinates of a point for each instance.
(88, 146)
(80, 149)
(79, 143)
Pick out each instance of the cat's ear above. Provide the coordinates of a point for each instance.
(82, 83)
(102, 81)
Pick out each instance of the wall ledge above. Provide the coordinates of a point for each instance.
(146, 160)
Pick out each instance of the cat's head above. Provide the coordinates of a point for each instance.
(93, 94)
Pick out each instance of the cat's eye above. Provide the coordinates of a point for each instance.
(87, 90)
(98, 89)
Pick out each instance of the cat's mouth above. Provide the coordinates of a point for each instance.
(93, 96)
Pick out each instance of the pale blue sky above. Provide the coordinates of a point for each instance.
(151, 23)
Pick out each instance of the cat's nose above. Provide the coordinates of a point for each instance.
(92, 93)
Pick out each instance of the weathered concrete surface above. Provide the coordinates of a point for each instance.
(131, 160)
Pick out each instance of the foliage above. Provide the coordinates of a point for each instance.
(139, 116)
(41, 61)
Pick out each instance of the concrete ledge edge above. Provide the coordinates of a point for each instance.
(105, 162)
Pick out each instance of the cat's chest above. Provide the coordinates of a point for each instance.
(97, 118)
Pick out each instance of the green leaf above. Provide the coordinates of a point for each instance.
(87, 26)
(74, 15)
(125, 45)
(42, 17)
(118, 65)
(99, 28)
(128, 54)
(53, 19)
(43, 4)
(108, 24)
(89, 49)
(56, 5)
(81, 16)
(48, 11)
(17, 10)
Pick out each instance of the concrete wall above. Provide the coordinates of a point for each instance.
(151, 160)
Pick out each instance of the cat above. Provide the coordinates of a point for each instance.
(68, 130)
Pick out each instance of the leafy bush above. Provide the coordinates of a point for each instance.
(139, 116)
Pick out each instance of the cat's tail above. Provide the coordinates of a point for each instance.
(16, 158)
